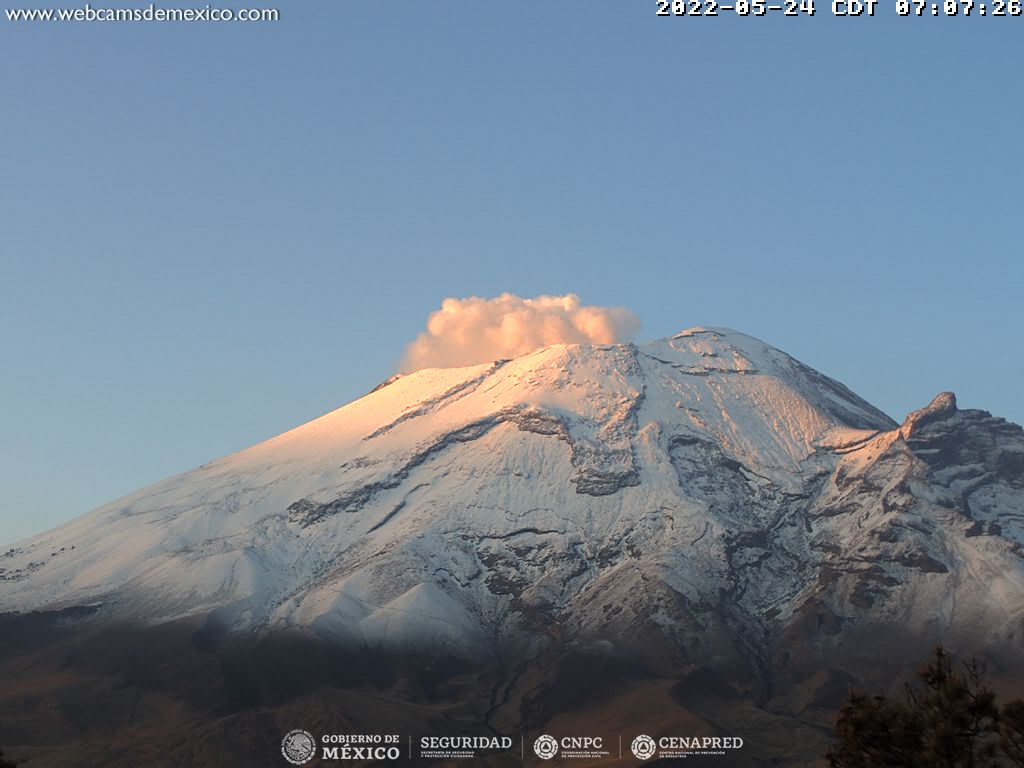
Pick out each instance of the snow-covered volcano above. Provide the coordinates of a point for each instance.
(707, 486)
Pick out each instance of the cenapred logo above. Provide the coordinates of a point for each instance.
(298, 746)
(545, 747)
(643, 747)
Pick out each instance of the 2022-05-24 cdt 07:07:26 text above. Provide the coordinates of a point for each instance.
(843, 8)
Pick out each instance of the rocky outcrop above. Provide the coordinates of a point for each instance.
(942, 406)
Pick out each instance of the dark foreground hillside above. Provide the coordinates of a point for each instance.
(76, 694)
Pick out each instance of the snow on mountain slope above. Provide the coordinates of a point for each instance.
(706, 484)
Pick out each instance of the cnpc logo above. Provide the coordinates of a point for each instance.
(546, 747)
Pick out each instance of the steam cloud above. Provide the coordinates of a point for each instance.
(475, 330)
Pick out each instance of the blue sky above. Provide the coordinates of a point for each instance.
(212, 233)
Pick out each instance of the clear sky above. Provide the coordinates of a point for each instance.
(210, 233)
